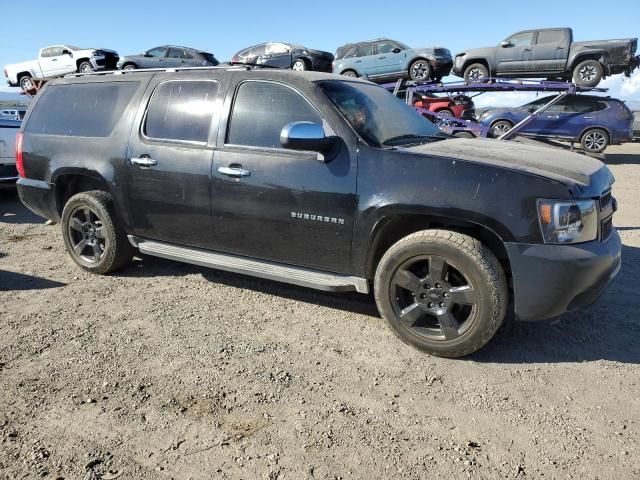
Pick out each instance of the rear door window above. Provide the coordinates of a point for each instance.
(550, 36)
(262, 109)
(81, 110)
(181, 111)
(365, 50)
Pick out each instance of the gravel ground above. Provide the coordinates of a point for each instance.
(167, 370)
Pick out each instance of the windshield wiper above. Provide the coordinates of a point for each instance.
(409, 136)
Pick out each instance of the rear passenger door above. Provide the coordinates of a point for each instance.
(170, 156)
(283, 205)
(550, 50)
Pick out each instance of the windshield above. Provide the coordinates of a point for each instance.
(379, 118)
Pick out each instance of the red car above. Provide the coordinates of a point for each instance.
(459, 106)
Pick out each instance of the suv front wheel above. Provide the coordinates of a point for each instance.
(92, 233)
(442, 292)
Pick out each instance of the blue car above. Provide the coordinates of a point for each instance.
(385, 60)
(596, 122)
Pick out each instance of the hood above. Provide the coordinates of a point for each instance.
(434, 51)
(559, 165)
(478, 52)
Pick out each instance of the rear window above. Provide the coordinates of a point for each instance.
(181, 111)
(81, 110)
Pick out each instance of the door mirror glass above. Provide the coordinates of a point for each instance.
(66, 52)
(306, 136)
(145, 54)
(506, 44)
(396, 50)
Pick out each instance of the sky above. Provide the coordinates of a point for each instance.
(222, 28)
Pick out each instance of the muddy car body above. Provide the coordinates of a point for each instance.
(337, 186)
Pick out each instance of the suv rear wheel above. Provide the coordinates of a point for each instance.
(442, 292)
(350, 73)
(594, 140)
(92, 233)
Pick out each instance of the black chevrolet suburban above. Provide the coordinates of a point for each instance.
(320, 181)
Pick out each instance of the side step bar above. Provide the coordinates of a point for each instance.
(304, 277)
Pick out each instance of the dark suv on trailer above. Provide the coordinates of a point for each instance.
(168, 56)
(336, 186)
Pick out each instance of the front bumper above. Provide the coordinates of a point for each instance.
(38, 197)
(441, 68)
(105, 62)
(549, 280)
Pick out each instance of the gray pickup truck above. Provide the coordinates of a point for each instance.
(549, 53)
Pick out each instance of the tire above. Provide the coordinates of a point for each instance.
(588, 73)
(89, 217)
(26, 83)
(299, 65)
(85, 67)
(129, 66)
(594, 140)
(420, 70)
(500, 127)
(350, 73)
(441, 292)
(446, 112)
(476, 72)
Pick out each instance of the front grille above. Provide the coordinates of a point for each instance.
(606, 228)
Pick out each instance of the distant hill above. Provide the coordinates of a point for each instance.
(10, 99)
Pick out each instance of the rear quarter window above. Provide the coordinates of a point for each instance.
(81, 110)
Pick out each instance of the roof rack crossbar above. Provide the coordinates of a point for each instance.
(169, 70)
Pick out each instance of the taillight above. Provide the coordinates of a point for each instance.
(19, 159)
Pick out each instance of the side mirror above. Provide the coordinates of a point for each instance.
(396, 50)
(506, 44)
(306, 136)
(66, 52)
(145, 54)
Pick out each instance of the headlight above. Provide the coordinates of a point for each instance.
(563, 221)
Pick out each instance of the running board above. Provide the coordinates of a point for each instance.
(304, 277)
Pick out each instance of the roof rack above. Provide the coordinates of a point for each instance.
(168, 70)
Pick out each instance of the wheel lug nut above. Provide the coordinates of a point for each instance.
(431, 305)
(437, 285)
(427, 286)
(446, 295)
(442, 304)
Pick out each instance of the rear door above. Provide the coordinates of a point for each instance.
(170, 156)
(517, 55)
(550, 50)
(175, 58)
(287, 206)
(365, 60)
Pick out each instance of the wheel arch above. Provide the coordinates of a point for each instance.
(598, 56)
(80, 60)
(70, 181)
(480, 60)
(350, 69)
(391, 228)
(595, 127)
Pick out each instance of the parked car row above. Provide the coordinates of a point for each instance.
(541, 53)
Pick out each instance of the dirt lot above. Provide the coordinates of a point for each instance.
(173, 371)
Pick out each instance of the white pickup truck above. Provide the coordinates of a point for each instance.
(8, 172)
(59, 60)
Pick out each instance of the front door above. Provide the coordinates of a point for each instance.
(278, 55)
(277, 204)
(170, 157)
(389, 62)
(514, 54)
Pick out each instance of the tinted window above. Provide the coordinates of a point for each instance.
(551, 36)
(521, 39)
(261, 110)
(46, 52)
(583, 105)
(181, 111)
(365, 50)
(275, 48)
(210, 58)
(56, 51)
(257, 51)
(157, 52)
(83, 110)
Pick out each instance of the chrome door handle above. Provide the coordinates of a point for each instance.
(553, 116)
(587, 116)
(143, 161)
(526, 50)
(235, 171)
